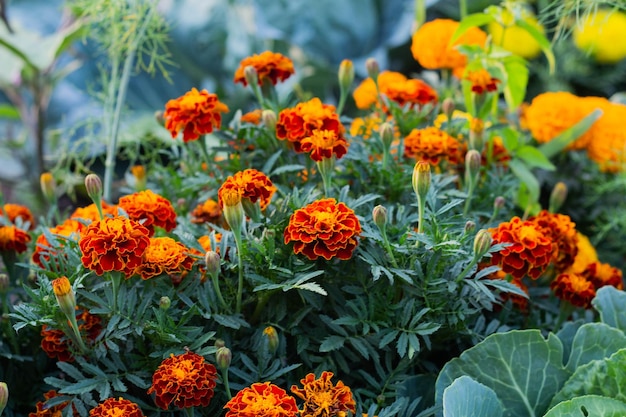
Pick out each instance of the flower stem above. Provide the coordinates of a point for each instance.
(226, 384)
(239, 244)
(189, 411)
(218, 292)
(115, 284)
(388, 249)
(466, 270)
(325, 167)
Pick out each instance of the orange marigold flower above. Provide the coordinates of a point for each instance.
(323, 144)
(196, 113)
(207, 212)
(366, 94)
(44, 250)
(251, 184)
(601, 274)
(432, 49)
(433, 145)
(323, 228)
(297, 123)
(482, 81)
(15, 211)
(495, 151)
(270, 66)
(530, 250)
(322, 398)
(185, 380)
(13, 239)
(262, 400)
(114, 244)
(57, 345)
(560, 229)
(150, 209)
(413, 92)
(164, 256)
(90, 213)
(252, 117)
(574, 288)
(43, 410)
(608, 144)
(113, 408)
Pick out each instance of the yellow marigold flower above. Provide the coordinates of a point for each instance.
(196, 113)
(322, 398)
(515, 39)
(601, 34)
(433, 145)
(431, 45)
(270, 66)
(608, 146)
(366, 95)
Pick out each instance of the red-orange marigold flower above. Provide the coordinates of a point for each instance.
(114, 244)
(15, 211)
(323, 228)
(574, 288)
(482, 81)
(413, 92)
(262, 400)
(322, 398)
(13, 239)
(43, 410)
(150, 209)
(601, 274)
(185, 380)
(196, 113)
(208, 211)
(297, 123)
(57, 345)
(164, 256)
(69, 229)
(323, 144)
(562, 231)
(530, 250)
(270, 66)
(251, 184)
(114, 408)
(433, 145)
(90, 213)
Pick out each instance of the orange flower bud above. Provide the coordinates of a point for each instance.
(139, 172)
(48, 185)
(558, 196)
(223, 357)
(421, 179)
(272, 338)
(482, 243)
(65, 295)
(346, 74)
(4, 396)
(233, 209)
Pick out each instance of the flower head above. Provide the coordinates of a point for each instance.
(601, 274)
(262, 400)
(323, 228)
(15, 211)
(482, 81)
(562, 231)
(574, 288)
(270, 66)
(322, 398)
(530, 250)
(323, 144)
(297, 123)
(252, 117)
(585, 254)
(113, 408)
(208, 211)
(150, 209)
(608, 144)
(431, 44)
(164, 256)
(249, 184)
(433, 145)
(114, 244)
(90, 213)
(196, 113)
(366, 94)
(397, 88)
(185, 380)
(13, 239)
(597, 35)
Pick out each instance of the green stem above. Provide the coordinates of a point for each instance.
(239, 244)
(226, 384)
(115, 284)
(189, 411)
(77, 339)
(342, 101)
(466, 270)
(421, 208)
(325, 167)
(388, 249)
(470, 194)
(218, 292)
(463, 8)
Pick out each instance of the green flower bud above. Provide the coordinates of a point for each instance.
(558, 196)
(223, 357)
(272, 338)
(372, 67)
(165, 303)
(379, 215)
(482, 243)
(346, 74)
(4, 396)
(421, 179)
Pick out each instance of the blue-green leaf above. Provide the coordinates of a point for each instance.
(589, 405)
(468, 398)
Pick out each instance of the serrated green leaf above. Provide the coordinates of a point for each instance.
(516, 81)
(287, 168)
(71, 370)
(534, 158)
(360, 346)
(84, 385)
(137, 381)
(388, 338)
(468, 398)
(331, 343)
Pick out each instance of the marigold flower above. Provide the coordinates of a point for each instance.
(585, 254)
(207, 212)
(397, 88)
(270, 66)
(13, 239)
(323, 228)
(323, 144)
(43, 410)
(515, 39)
(433, 145)
(113, 408)
(366, 94)
(114, 244)
(185, 380)
(250, 184)
(69, 229)
(262, 400)
(322, 398)
(530, 250)
(574, 288)
(252, 117)
(150, 209)
(15, 211)
(90, 213)
(597, 35)
(164, 256)
(297, 123)
(482, 81)
(431, 44)
(560, 229)
(608, 144)
(196, 113)
(601, 274)
(56, 345)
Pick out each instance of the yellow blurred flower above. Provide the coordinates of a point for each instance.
(601, 34)
(515, 39)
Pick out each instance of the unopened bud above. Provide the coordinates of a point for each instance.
(386, 134)
(269, 119)
(233, 209)
(250, 75)
(472, 164)
(223, 357)
(48, 186)
(158, 116)
(212, 262)
(165, 303)
(470, 226)
(139, 172)
(482, 243)
(219, 343)
(379, 214)
(448, 107)
(558, 196)
(272, 338)
(498, 202)
(345, 74)
(421, 179)
(64, 293)
(4, 396)
(93, 184)
(477, 128)
(373, 69)
(4, 283)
